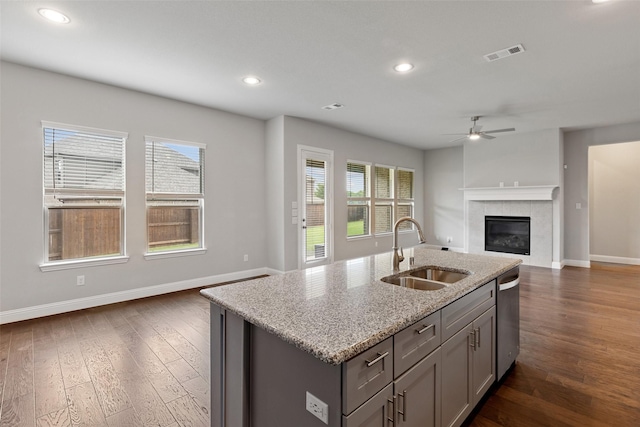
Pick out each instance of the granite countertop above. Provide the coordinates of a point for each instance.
(339, 310)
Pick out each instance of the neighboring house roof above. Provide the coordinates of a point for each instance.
(174, 172)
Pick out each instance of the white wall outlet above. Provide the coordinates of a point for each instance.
(318, 408)
(246, 257)
(80, 281)
(449, 239)
(578, 205)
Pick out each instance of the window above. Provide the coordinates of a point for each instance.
(393, 198)
(404, 197)
(358, 199)
(384, 202)
(83, 192)
(175, 195)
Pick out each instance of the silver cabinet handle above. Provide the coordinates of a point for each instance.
(473, 339)
(404, 405)
(477, 337)
(425, 329)
(391, 420)
(377, 359)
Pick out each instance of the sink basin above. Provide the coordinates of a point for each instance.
(415, 283)
(445, 276)
(425, 279)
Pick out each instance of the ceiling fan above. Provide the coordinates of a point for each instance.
(476, 133)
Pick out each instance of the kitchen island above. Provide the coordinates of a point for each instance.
(277, 339)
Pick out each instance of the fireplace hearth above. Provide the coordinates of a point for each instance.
(507, 234)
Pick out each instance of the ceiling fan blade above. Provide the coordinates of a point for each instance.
(454, 134)
(459, 139)
(500, 130)
(484, 135)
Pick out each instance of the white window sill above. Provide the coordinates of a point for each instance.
(82, 263)
(174, 254)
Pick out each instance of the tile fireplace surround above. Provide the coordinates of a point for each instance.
(535, 202)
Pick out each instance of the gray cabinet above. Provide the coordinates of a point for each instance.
(418, 393)
(468, 368)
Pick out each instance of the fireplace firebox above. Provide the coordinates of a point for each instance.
(509, 234)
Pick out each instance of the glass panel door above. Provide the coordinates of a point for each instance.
(315, 202)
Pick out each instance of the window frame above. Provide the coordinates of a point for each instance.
(90, 196)
(408, 226)
(168, 197)
(366, 199)
(383, 201)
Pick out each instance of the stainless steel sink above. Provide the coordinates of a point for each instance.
(425, 279)
(445, 276)
(415, 283)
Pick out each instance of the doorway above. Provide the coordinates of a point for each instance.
(315, 200)
(614, 203)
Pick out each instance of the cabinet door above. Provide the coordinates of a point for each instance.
(418, 393)
(484, 355)
(375, 412)
(457, 398)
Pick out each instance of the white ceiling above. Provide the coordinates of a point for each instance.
(581, 67)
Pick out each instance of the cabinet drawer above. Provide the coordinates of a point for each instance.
(463, 311)
(415, 342)
(366, 374)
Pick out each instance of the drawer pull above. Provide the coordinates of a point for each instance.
(377, 359)
(391, 420)
(425, 329)
(404, 405)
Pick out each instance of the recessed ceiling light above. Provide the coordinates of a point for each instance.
(54, 16)
(404, 67)
(251, 80)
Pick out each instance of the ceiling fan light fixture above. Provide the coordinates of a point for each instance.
(403, 68)
(473, 136)
(54, 16)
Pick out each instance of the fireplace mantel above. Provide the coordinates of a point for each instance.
(535, 192)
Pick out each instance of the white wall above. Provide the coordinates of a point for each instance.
(234, 207)
(614, 202)
(346, 146)
(443, 200)
(576, 147)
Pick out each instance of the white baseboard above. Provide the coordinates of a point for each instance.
(558, 265)
(111, 298)
(615, 259)
(577, 263)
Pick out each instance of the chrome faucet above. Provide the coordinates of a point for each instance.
(398, 257)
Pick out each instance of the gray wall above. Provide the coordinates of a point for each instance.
(277, 212)
(576, 148)
(530, 158)
(346, 146)
(443, 200)
(234, 206)
(614, 202)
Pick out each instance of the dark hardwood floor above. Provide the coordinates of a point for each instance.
(146, 362)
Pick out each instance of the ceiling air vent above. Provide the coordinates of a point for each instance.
(494, 56)
(333, 106)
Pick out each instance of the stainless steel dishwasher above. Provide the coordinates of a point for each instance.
(508, 326)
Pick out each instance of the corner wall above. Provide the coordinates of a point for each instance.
(576, 155)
